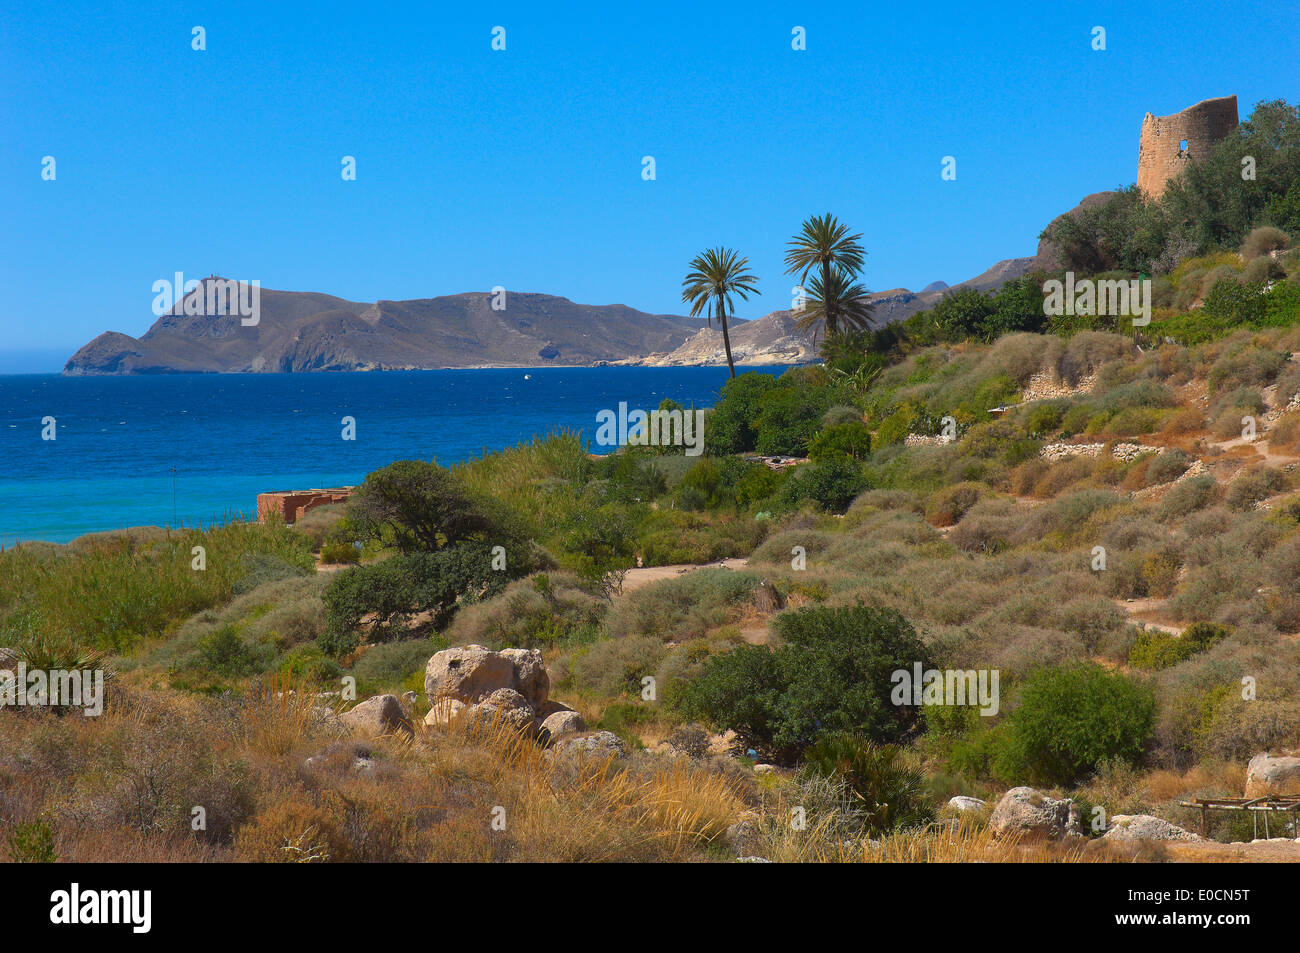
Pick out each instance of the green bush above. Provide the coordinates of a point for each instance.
(339, 553)
(1069, 720)
(1155, 650)
(831, 484)
(788, 418)
(831, 674)
(730, 426)
(392, 666)
(852, 440)
(393, 590)
(1254, 485)
(886, 795)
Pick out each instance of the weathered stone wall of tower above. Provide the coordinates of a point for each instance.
(1161, 154)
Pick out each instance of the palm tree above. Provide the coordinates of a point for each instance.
(825, 244)
(838, 308)
(714, 277)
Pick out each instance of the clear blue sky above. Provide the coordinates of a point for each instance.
(523, 168)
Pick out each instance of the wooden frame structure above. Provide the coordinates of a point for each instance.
(1265, 805)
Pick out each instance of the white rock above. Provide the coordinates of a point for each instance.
(1029, 812)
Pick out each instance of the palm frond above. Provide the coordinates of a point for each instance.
(839, 306)
(824, 241)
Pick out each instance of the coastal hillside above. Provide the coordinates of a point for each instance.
(304, 331)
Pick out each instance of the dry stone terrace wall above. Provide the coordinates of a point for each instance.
(1161, 150)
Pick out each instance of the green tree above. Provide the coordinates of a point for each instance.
(715, 276)
(417, 506)
(730, 424)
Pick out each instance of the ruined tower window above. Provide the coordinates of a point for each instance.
(1182, 145)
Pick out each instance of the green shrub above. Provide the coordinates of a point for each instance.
(1263, 240)
(339, 552)
(614, 667)
(788, 418)
(1154, 649)
(886, 795)
(832, 673)
(392, 591)
(1254, 485)
(1070, 720)
(831, 485)
(852, 440)
(1187, 497)
(1248, 367)
(32, 842)
(390, 666)
(730, 425)
(540, 611)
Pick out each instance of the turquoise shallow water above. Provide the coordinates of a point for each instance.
(232, 436)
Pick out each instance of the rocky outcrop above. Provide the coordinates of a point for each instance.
(1124, 452)
(475, 687)
(469, 673)
(504, 707)
(1128, 827)
(1030, 813)
(599, 744)
(773, 339)
(1273, 774)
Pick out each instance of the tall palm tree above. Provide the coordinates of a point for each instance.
(825, 244)
(838, 308)
(714, 277)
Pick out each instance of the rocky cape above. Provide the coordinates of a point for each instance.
(305, 331)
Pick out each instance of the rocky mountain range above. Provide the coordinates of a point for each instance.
(306, 331)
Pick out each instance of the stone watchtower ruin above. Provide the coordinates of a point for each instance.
(1169, 144)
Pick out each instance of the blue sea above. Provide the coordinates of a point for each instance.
(193, 449)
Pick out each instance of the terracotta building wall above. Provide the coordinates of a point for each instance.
(1161, 155)
(292, 505)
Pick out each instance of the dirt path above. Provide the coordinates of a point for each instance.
(1146, 611)
(637, 578)
(1199, 852)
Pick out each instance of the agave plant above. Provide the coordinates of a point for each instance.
(825, 245)
(716, 276)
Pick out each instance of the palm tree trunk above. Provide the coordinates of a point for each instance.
(828, 306)
(726, 338)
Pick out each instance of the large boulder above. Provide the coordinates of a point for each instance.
(561, 724)
(1145, 827)
(531, 679)
(444, 711)
(467, 673)
(505, 706)
(380, 715)
(1031, 813)
(1273, 774)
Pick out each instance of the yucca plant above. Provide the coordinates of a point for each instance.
(708, 287)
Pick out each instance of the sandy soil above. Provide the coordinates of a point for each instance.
(636, 578)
